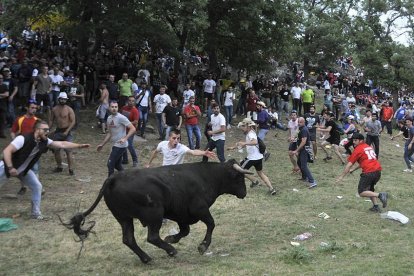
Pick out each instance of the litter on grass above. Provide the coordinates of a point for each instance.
(302, 237)
(324, 215)
(395, 216)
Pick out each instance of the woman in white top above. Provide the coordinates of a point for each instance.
(254, 157)
(229, 97)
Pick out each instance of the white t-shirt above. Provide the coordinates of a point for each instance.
(18, 143)
(161, 102)
(145, 100)
(117, 125)
(56, 79)
(253, 152)
(134, 87)
(216, 123)
(296, 91)
(186, 95)
(326, 85)
(209, 85)
(172, 156)
(35, 72)
(294, 128)
(228, 98)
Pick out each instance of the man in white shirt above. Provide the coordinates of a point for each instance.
(161, 101)
(217, 133)
(187, 93)
(173, 151)
(296, 92)
(57, 81)
(209, 88)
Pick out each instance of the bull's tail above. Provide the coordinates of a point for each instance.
(78, 220)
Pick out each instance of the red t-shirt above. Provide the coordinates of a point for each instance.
(251, 103)
(191, 110)
(131, 113)
(387, 113)
(23, 125)
(365, 156)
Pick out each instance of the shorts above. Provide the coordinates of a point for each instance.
(368, 181)
(208, 96)
(247, 164)
(312, 136)
(43, 98)
(102, 111)
(59, 136)
(293, 146)
(331, 140)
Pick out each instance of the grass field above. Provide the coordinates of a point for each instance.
(252, 236)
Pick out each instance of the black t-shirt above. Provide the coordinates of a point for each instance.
(303, 132)
(334, 134)
(284, 94)
(172, 115)
(3, 101)
(311, 121)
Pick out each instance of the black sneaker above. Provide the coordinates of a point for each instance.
(58, 170)
(22, 190)
(254, 184)
(384, 198)
(125, 162)
(375, 209)
(326, 159)
(71, 172)
(272, 191)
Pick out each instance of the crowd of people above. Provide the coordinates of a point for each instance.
(42, 78)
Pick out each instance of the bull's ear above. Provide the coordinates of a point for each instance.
(241, 170)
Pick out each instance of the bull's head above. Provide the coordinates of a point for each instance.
(236, 185)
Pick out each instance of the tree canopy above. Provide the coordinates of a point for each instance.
(245, 34)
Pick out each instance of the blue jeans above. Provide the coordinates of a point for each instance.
(160, 125)
(32, 182)
(143, 118)
(229, 113)
(262, 133)
(197, 132)
(219, 144)
(131, 150)
(408, 155)
(115, 160)
(303, 165)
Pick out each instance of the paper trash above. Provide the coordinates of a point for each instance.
(395, 216)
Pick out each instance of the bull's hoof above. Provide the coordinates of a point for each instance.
(170, 239)
(146, 259)
(172, 253)
(202, 248)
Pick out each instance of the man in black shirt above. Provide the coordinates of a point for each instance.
(284, 101)
(312, 122)
(171, 117)
(334, 137)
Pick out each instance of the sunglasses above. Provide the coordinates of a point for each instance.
(45, 129)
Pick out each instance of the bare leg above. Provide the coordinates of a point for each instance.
(265, 179)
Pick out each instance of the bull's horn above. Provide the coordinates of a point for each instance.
(240, 169)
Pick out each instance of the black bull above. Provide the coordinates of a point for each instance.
(182, 193)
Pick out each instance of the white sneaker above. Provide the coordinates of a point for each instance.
(228, 126)
(408, 170)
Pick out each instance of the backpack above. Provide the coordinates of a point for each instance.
(261, 145)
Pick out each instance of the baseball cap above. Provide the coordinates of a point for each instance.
(358, 136)
(63, 95)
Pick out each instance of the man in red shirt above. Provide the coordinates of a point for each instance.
(191, 114)
(371, 171)
(132, 113)
(387, 112)
(251, 105)
(25, 125)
